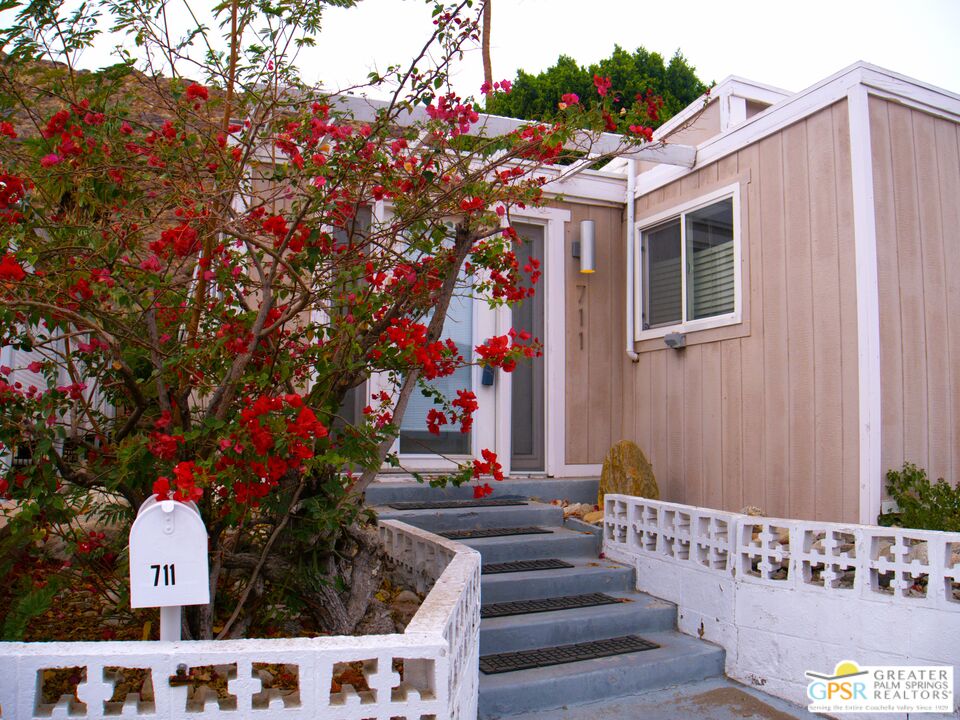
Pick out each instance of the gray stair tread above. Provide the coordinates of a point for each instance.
(637, 603)
(587, 569)
(557, 532)
(643, 615)
(515, 660)
(713, 699)
(548, 604)
(494, 532)
(457, 504)
(443, 519)
(674, 646)
(572, 489)
(518, 566)
(561, 542)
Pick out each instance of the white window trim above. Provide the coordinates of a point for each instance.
(734, 318)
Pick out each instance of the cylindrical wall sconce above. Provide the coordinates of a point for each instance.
(588, 247)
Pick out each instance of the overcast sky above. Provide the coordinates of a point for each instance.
(788, 45)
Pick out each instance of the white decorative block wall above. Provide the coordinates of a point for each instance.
(786, 596)
(438, 654)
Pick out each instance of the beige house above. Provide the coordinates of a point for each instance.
(819, 308)
(774, 315)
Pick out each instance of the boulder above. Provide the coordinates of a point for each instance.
(627, 471)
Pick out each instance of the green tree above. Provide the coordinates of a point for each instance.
(536, 97)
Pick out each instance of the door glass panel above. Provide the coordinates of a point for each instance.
(351, 409)
(527, 420)
(414, 436)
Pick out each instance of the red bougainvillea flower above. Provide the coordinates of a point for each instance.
(481, 491)
(197, 92)
(602, 84)
(306, 425)
(643, 131)
(10, 269)
(12, 190)
(504, 86)
(568, 99)
(435, 419)
(489, 466)
(161, 488)
(471, 204)
(50, 160)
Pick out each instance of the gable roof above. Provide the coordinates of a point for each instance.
(791, 108)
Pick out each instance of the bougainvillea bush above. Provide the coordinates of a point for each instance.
(202, 256)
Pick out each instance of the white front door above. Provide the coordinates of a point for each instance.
(469, 323)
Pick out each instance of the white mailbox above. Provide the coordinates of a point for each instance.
(168, 556)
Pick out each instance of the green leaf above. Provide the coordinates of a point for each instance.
(33, 604)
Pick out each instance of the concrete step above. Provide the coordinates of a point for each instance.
(580, 490)
(641, 614)
(680, 659)
(477, 517)
(586, 575)
(713, 699)
(560, 542)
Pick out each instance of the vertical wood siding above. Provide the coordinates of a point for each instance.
(594, 337)
(916, 178)
(765, 415)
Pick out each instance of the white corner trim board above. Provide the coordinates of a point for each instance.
(868, 305)
(439, 650)
(786, 596)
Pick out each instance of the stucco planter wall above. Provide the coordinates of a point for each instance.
(439, 650)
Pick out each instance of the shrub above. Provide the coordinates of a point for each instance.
(922, 504)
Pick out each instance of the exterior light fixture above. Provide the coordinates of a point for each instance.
(585, 249)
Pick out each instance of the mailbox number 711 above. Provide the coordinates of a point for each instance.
(169, 574)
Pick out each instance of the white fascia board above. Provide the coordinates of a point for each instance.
(495, 125)
(922, 96)
(586, 185)
(759, 126)
(750, 90)
(878, 81)
(730, 85)
(684, 115)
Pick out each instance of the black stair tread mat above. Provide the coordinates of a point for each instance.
(492, 532)
(454, 504)
(560, 654)
(524, 566)
(524, 607)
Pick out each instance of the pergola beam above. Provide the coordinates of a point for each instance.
(493, 125)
